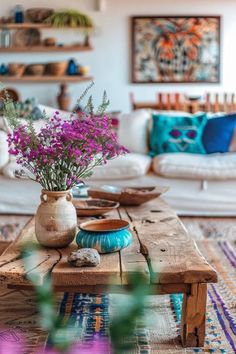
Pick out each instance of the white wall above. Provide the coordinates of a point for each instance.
(110, 60)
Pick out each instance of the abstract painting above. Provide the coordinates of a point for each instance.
(176, 49)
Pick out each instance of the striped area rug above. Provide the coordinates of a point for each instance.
(158, 331)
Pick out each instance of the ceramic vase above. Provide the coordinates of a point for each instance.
(63, 98)
(56, 219)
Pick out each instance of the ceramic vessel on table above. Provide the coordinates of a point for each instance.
(104, 235)
(55, 220)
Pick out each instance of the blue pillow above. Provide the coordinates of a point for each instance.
(171, 133)
(218, 133)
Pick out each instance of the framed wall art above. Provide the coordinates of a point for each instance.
(176, 49)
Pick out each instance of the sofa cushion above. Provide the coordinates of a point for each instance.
(177, 134)
(126, 166)
(123, 167)
(4, 155)
(133, 130)
(210, 167)
(218, 133)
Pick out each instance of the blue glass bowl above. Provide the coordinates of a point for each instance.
(104, 235)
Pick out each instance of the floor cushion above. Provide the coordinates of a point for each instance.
(194, 166)
(123, 167)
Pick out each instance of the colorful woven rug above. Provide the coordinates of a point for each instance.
(158, 332)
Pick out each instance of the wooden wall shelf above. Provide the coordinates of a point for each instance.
(45, 78)
(28, 25)
(43, 48)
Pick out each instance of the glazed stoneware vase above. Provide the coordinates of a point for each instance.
(105, 236)
(55, 220)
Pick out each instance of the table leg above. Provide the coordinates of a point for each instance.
(194, 316)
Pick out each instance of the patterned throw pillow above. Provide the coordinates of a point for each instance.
(177, 134)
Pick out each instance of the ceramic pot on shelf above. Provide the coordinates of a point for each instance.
(55, 220)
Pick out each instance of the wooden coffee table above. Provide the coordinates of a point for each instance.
(162, 250)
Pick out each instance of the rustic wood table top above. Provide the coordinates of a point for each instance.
(162, 250)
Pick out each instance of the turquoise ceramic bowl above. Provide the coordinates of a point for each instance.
(104, 235)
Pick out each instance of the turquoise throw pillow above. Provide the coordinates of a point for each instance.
(177, 134)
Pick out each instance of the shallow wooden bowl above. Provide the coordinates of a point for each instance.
(57, 68)
(128, 195)
(94, 207)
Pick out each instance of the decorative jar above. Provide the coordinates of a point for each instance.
(55, 220)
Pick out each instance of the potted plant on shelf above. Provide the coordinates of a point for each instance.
(59, 156)
(70, 18)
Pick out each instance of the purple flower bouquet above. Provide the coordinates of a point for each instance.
(64, 152)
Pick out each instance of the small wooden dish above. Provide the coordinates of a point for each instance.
(94, 207)
(128, 195)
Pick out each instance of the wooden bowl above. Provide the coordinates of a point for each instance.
(57, 68)
(94, 207)
(38, 14)
(16, 69)
(128, 195)
(35, 69)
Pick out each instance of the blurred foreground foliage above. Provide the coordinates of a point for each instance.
(62, 334)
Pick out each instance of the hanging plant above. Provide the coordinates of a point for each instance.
(70, 18)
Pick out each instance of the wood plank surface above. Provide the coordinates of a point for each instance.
(132, 260)
(11, 266)
(172, 255)
(45, 78)
(44, 48)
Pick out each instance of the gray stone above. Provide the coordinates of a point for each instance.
(84, 257)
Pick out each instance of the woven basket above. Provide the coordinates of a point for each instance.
(57, 68)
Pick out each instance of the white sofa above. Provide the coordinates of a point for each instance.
(199, 185)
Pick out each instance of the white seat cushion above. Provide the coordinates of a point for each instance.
(209, 167)
(123, 167)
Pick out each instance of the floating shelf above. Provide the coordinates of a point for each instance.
(43, 48)
(45, 78)
(28, 25)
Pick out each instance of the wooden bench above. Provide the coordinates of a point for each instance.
(162, 250)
